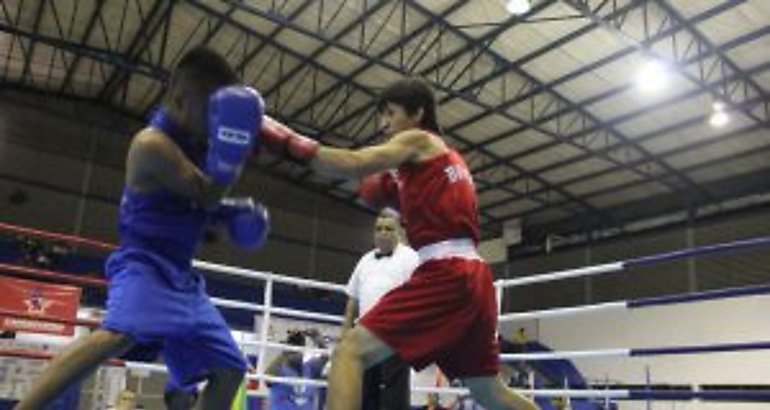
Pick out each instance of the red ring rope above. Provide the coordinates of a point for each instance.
(57, 237)
(91, 323)
(47, 274)
(32, 354)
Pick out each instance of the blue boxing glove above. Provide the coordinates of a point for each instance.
(234, 118)
(248, 222)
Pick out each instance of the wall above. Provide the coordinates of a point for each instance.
(738, 268)
(726, 321)
(711, 322)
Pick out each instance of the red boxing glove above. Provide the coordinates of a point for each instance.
(284, 141)
(380, 191)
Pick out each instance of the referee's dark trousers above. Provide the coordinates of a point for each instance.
(386, 386)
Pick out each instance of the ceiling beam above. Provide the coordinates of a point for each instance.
(161, 11)
(733, 93)
(30, 55)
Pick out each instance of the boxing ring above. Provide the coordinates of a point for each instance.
(267, 310)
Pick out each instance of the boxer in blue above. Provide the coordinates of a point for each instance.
(178, 169)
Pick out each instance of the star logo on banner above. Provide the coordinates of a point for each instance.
(37, 303)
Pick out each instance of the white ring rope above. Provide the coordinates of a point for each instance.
(252, 274)
(559, 312)
(267, 310)
(288, 348)
(575, 354)
(420, 389)
(564, 274)
(278, 311)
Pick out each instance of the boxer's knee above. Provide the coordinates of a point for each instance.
(493, 394)
(362, 345)
(180, 399)
(227, 376)
(488, 391)
(349, 347)
(111, 340)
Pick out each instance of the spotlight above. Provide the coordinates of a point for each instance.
(517, 7)
(652, 77)
(718, 119)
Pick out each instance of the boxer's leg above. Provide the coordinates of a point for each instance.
(75, 363)
(358, 350)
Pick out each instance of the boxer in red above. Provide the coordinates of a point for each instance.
(447, 312)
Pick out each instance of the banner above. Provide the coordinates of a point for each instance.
(24, 301)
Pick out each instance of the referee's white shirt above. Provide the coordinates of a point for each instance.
(374, 277)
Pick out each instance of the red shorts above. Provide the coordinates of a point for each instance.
(445, 314)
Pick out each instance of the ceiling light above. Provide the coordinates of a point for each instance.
(517, 7)
(719, 118)
(652, 77)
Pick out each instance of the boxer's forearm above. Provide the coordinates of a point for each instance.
(153, 161)
(210, 194)
(356, 163)
(337, 162)
(401, 148)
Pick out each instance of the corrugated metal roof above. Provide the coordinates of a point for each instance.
(544, 106)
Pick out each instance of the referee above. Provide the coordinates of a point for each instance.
(387, 266)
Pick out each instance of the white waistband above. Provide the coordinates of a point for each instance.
(453, 248)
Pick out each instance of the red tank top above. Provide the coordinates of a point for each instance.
(438, 200)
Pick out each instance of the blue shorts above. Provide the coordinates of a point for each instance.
(153, 301)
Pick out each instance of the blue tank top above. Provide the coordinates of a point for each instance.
(297, 397)
(162, 222)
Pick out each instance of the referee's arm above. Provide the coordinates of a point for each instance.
(351, 314)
